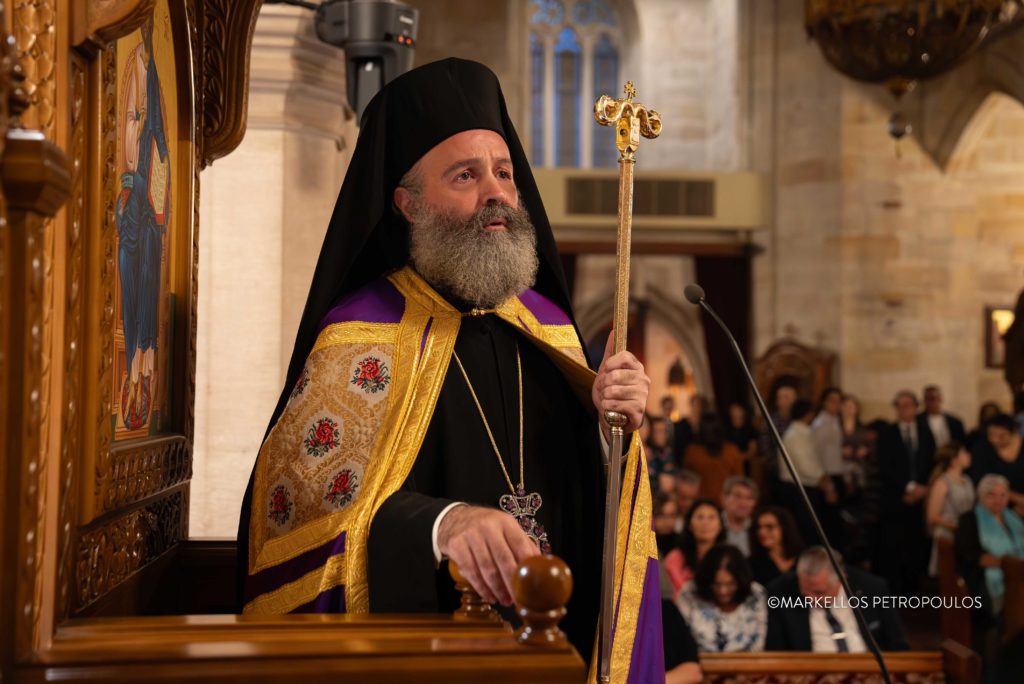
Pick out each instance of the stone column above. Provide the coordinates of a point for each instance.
(263, 213)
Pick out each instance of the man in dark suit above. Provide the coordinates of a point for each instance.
(905, 458)
(941, 428)
(815, 614)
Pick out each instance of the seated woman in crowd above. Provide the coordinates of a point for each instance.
(702, 530)
(724, 607)
(1000, 454)
(987, 412)
(775, 543)
(712, 457)
(951, 495)
(985, 534)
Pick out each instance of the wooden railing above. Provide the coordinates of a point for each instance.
(920, 667)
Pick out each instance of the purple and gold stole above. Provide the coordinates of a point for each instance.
(349, 436)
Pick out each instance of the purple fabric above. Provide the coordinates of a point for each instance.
(647, 664)
(330, 601)
(546, 311)
(293, 568)
(377, 302)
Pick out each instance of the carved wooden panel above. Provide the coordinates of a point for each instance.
(143, 96)
(111, 551)
(227, 28)
(813, 368)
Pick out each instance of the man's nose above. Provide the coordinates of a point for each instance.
(493, 191)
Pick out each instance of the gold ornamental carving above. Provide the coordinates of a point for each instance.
(108, 20)
(112, 552)
(74, 338)
(35, 34)
(227, 28)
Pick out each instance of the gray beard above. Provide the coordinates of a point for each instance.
(457, 256)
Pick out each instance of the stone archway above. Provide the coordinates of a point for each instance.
(942, 110)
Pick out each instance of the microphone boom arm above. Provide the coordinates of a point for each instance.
(696, 293)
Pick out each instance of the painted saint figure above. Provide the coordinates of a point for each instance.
(141, 212)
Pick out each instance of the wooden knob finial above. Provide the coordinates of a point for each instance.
(542, 586)
(473, 606)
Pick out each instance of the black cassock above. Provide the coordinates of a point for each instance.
(562, 462)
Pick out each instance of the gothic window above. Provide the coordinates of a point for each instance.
(575, 53)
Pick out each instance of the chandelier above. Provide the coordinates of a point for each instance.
(900, 42)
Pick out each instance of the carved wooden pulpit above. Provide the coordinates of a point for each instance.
(109, 109)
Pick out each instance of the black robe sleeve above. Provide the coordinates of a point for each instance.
(400, 554)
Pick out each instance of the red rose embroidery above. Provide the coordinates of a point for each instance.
(342, 488)
(280, 505)
(323, 436)
(371, 375)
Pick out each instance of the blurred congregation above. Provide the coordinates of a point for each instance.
(901, 501)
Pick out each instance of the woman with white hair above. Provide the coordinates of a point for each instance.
(985, 534)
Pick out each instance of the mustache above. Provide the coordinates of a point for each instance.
(516, 218)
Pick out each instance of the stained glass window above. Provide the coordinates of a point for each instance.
(567, 98)
(606, 82)
(593, 12)
(548, 12)
(536, 99)
(567, 39)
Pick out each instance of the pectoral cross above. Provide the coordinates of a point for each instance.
(523, 507)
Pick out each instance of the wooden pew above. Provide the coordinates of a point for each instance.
(1013, 607)
(920, 667)
(954, 623)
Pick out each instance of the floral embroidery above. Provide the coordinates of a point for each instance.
(280, 505)
(342, 488)
(370, 375)
(300, 385)
(323, 436)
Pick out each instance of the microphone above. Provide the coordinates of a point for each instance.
(695, 295)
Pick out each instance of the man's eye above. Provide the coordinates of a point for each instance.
(464, 176)
(506, 175)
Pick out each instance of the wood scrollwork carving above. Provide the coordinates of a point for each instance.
(111, 552)
(226, 33)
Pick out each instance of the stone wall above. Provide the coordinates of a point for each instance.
(923, 251)
(886, 260)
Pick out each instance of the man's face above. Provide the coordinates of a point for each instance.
(784, 399)
(739, 503)
(998, 436)
(933, 401)
(464, 174)
(468, 236)
(667, 407)
(818, 586)
(832, 403)
(906, 408)
(686, 492)
(665, 520)
(659, 434)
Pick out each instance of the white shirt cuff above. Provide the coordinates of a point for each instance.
(437, 525)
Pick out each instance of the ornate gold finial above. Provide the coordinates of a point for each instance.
(631, 120)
